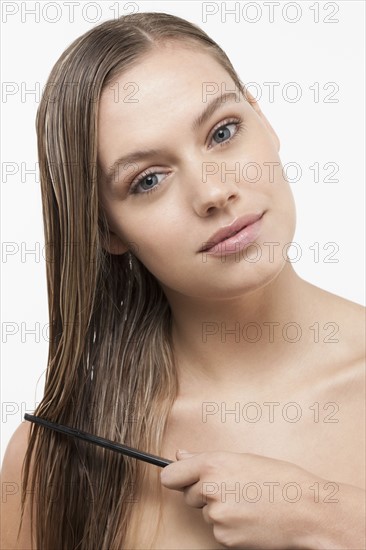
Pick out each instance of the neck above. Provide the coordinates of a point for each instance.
(247, 338)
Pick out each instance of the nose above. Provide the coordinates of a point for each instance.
(212, 191)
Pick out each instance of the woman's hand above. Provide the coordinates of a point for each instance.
(252, 501)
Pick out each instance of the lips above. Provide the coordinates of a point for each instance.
(229, 230)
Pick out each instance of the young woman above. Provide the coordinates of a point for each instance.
(178, 321)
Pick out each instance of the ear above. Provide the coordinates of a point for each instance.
(253, 102)
(113, 244)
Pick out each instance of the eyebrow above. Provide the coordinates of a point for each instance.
(142, 154)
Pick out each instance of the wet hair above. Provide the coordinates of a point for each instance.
(110, 368)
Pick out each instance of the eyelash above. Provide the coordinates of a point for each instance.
(240, 126)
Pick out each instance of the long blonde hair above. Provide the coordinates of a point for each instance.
(110, 368)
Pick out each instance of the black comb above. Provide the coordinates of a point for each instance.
(101, 441)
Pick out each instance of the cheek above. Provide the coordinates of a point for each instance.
(152, 234)
(256, 162)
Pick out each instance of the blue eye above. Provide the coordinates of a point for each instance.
(149, 177)
(225, 134)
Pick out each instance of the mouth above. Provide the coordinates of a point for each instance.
(226, 235)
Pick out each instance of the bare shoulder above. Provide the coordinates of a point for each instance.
(11, 479)
(351, 319)
(339, 354)
(343, 320)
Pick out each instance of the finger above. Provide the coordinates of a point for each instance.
(181, 454)
(193, 496)
(206, 515)
(182, 473)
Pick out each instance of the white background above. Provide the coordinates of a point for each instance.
(303, 51)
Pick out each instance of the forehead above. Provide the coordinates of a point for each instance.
(167, 72)
(168, 83)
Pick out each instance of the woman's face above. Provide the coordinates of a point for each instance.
(196, 179)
